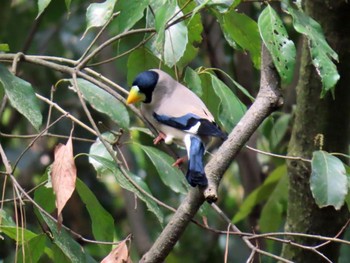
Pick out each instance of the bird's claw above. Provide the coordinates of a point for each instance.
(179, 161)
(161, 136)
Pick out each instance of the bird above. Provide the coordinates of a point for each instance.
(179, 116)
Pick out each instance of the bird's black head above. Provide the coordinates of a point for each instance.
(146, 81)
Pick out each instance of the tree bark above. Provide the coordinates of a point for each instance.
(329, 117)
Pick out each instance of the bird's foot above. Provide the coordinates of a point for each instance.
(161, 136)
(179, 161)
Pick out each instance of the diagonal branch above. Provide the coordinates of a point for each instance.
(268, 99)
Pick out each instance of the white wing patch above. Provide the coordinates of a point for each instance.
(194, 128)
(187, 141)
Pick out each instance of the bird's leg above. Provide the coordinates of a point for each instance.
(161, 136)
(180, 161)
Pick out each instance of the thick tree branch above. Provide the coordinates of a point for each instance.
(268, 99)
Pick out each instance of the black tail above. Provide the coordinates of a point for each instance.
(195, 174)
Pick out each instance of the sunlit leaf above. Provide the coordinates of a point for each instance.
(101, 221)
(276, 39)
(242, 30)
(260, 194)
(170, 42)
(98, 14)
(219, 5)
(321, 53)
(130, 13)
(104, 102)
(21, 96)
(4, 47)
(63, 175)
(42, 4)
(171, 176)
(328, 181)
(231, 109)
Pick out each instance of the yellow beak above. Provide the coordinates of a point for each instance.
(135, 95)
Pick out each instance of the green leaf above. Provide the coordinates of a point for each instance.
(4, 47)
(105, 166)
(195, 29)
(271, 216)
(104, 102)
(130, 13)
(110, 167)
(231, 109)
(169, 44)
(9, 228)
(66, 243)
(328, 181)
(33, 249)
(171, 176)
(242, 30)
(98, 149)
(42, 4)
(98, 14)
(280, 129)
(218, 5)
(101, 221)
(260, 194)
(68, 2)
(193, 81)
(321, 53)
(209, 97)
(140, 60)
(276, 39)
(21, 96)
(163, 14)
(45, 197)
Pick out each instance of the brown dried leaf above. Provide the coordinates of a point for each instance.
(63, 175)
(120, 254)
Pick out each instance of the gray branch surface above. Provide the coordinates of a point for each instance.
(268, 99)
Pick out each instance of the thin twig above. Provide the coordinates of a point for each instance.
(67, 114)
(98, 35)
(83, 62)
(124, 53)
(278, 155)
(35, 139)
(47, 134)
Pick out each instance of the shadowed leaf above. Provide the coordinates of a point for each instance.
(21, 96)
(171, 176)
(321, 53)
